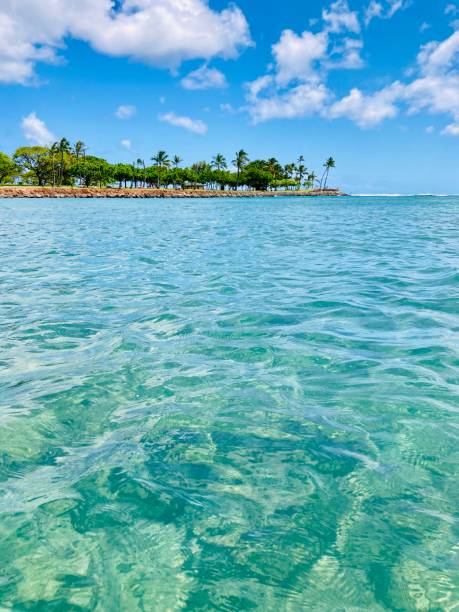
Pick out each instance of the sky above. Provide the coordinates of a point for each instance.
(373, 83)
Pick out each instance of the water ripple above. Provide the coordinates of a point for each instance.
(221, 405)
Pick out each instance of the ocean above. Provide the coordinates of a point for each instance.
(229, 404)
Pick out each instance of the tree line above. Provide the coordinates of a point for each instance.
(63, 164)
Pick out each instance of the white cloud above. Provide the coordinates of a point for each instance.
(35, 130)
(295, 83)
(451, 9)
(367, 110)
(340, 18)
(126, 144)
(435, 57)
(125, 111)
(430, 129)
(346, 55)
(397, 5)
(384, 9)
(32, 31)
(424, 26)
(296, 55)
(204, 78)
(374, 9)
(300, 101)
(435, 90)
(192, 125)
(451, 130)
(435, 94)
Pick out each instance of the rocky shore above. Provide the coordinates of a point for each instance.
(96, 192)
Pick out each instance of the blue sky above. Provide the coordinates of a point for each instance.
(375, 83)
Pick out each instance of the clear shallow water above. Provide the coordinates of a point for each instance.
(229, 405)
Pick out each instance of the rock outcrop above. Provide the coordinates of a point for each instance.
(107, 192)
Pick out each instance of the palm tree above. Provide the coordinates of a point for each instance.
(79, 149)
(239, 162)
(141, 164)
(289, 169)
(273, 166)
(328, 165)
(161, 161)
(300, 160)
(301, 171)
(176, 160)
(63, 147)
(312, 178)
(54, 149)
(219, 162)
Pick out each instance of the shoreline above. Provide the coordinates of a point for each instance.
(152, 193)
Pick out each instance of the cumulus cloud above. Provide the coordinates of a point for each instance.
(295, 85)
(434, 90)
(35, 130)
(300, 101)
(345, 55)
(126, 144)
(438, 57)
(340, 18)
(32, 31)
(451, 130)
(192, 125)
(367, 110)
(204, 78)
(296, 56)
(125, 111)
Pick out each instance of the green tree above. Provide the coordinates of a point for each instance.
(301, 171)
(289, 169)
(54, 152)
(64, 152)
(35, 162)
(239, 162)
(203, 172)
(256, 176)
(79, 149)
(94, 171)
(8, 169)
(312, 178)
(175, 175)
(328, 165)
(222, 178)
(161, 160)
(141, 164)
(219, 162)
(274, 167)
(122, 173)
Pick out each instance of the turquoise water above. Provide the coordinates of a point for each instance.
(229, 405)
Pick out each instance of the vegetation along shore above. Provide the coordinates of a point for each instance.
(65, 170)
